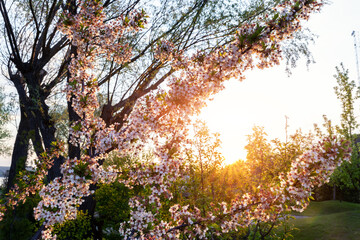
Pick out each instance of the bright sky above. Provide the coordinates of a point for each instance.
(266, 96)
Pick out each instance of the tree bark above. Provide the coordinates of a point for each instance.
(89, 206)
(20, 151)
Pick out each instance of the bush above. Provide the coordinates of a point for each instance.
(77, 229)
(19, 224)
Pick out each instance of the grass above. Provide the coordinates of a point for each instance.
(328, 220)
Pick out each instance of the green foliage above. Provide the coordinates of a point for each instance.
(347, 93)
(112, 202)
(347, 176)
(77, 229)
(112, 207)
(267, 159)
(82, 170)
(19, 224)
(259, 157)
(200, 185)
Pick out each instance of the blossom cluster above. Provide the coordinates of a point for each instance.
(313, 168)
(165, 51)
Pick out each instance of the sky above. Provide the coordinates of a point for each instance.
(267, 96)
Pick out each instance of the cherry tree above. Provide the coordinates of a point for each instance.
(158, 115)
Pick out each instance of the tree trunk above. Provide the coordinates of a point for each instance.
(20, 151)
(89, 206)
(73, 151)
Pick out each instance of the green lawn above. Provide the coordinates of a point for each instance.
(328, 220)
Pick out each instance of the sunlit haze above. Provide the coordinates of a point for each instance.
(266, 96)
